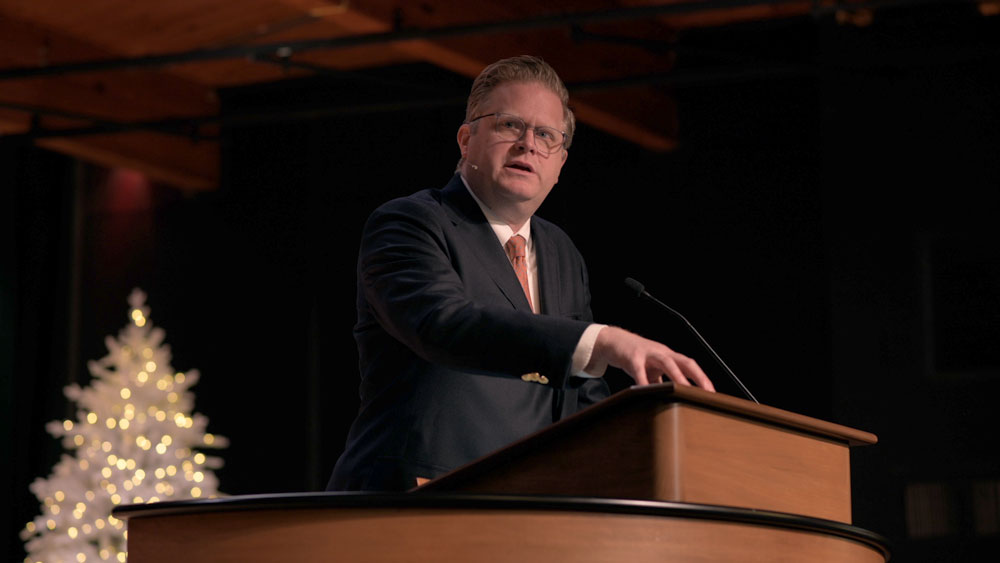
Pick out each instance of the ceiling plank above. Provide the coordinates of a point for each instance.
(120, 96)
(469, 55)
(170, 160)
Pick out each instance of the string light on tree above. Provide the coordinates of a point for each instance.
(134, 440)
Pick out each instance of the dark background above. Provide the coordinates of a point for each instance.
(828, 222)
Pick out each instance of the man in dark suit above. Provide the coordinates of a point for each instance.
(474, 324)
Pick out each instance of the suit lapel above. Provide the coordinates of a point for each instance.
(477, 233)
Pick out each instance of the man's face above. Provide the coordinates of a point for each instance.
(513, 177)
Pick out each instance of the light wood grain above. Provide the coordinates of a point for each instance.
(718, 458)
(679, 445)
(419, 535)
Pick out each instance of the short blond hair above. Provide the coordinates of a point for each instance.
(524, 68)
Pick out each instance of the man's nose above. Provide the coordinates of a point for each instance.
(524, 144)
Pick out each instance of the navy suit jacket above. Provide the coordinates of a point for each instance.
(445, 334)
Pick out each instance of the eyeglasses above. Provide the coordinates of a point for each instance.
(512, 128)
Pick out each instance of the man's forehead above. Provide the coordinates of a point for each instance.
(508, 94)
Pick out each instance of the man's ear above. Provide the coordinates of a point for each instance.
(565, 155)
(464, 132)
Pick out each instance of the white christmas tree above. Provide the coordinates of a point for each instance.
(134, 440)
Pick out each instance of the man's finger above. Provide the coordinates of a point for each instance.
(694, 373)
(673, 371)
(640, 376)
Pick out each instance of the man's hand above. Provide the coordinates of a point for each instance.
(645, 360)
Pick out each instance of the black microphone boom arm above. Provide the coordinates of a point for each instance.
(640, 291)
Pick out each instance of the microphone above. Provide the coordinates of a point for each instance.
(640, 291)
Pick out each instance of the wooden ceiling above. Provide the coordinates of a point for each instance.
(125, 83)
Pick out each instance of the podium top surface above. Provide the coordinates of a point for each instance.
(668, 392)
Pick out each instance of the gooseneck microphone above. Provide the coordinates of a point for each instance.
(640, 291)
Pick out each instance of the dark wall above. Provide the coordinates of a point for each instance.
(912, 182)
(828, 224)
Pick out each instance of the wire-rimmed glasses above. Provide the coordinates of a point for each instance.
(512, 128)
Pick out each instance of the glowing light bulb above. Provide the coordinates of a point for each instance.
(125, 393)
(67, 425)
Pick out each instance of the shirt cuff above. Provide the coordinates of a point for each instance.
(584, 350)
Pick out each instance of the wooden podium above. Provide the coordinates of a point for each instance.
(656, 473)
(683, 444)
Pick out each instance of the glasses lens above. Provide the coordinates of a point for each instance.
(509, 128)
(549, 138)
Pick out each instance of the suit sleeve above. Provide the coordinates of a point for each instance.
(411, 284)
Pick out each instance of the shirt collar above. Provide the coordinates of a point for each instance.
(502, 229)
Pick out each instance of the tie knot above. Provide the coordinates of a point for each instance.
(515, 247)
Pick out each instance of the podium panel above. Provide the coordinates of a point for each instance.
(440, 528)
(680, 445)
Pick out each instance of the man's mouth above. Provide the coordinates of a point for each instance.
(523, 166)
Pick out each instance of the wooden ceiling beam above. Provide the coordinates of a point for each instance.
(120, 96)
(469, 55)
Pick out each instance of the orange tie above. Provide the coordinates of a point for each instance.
(515, 248)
